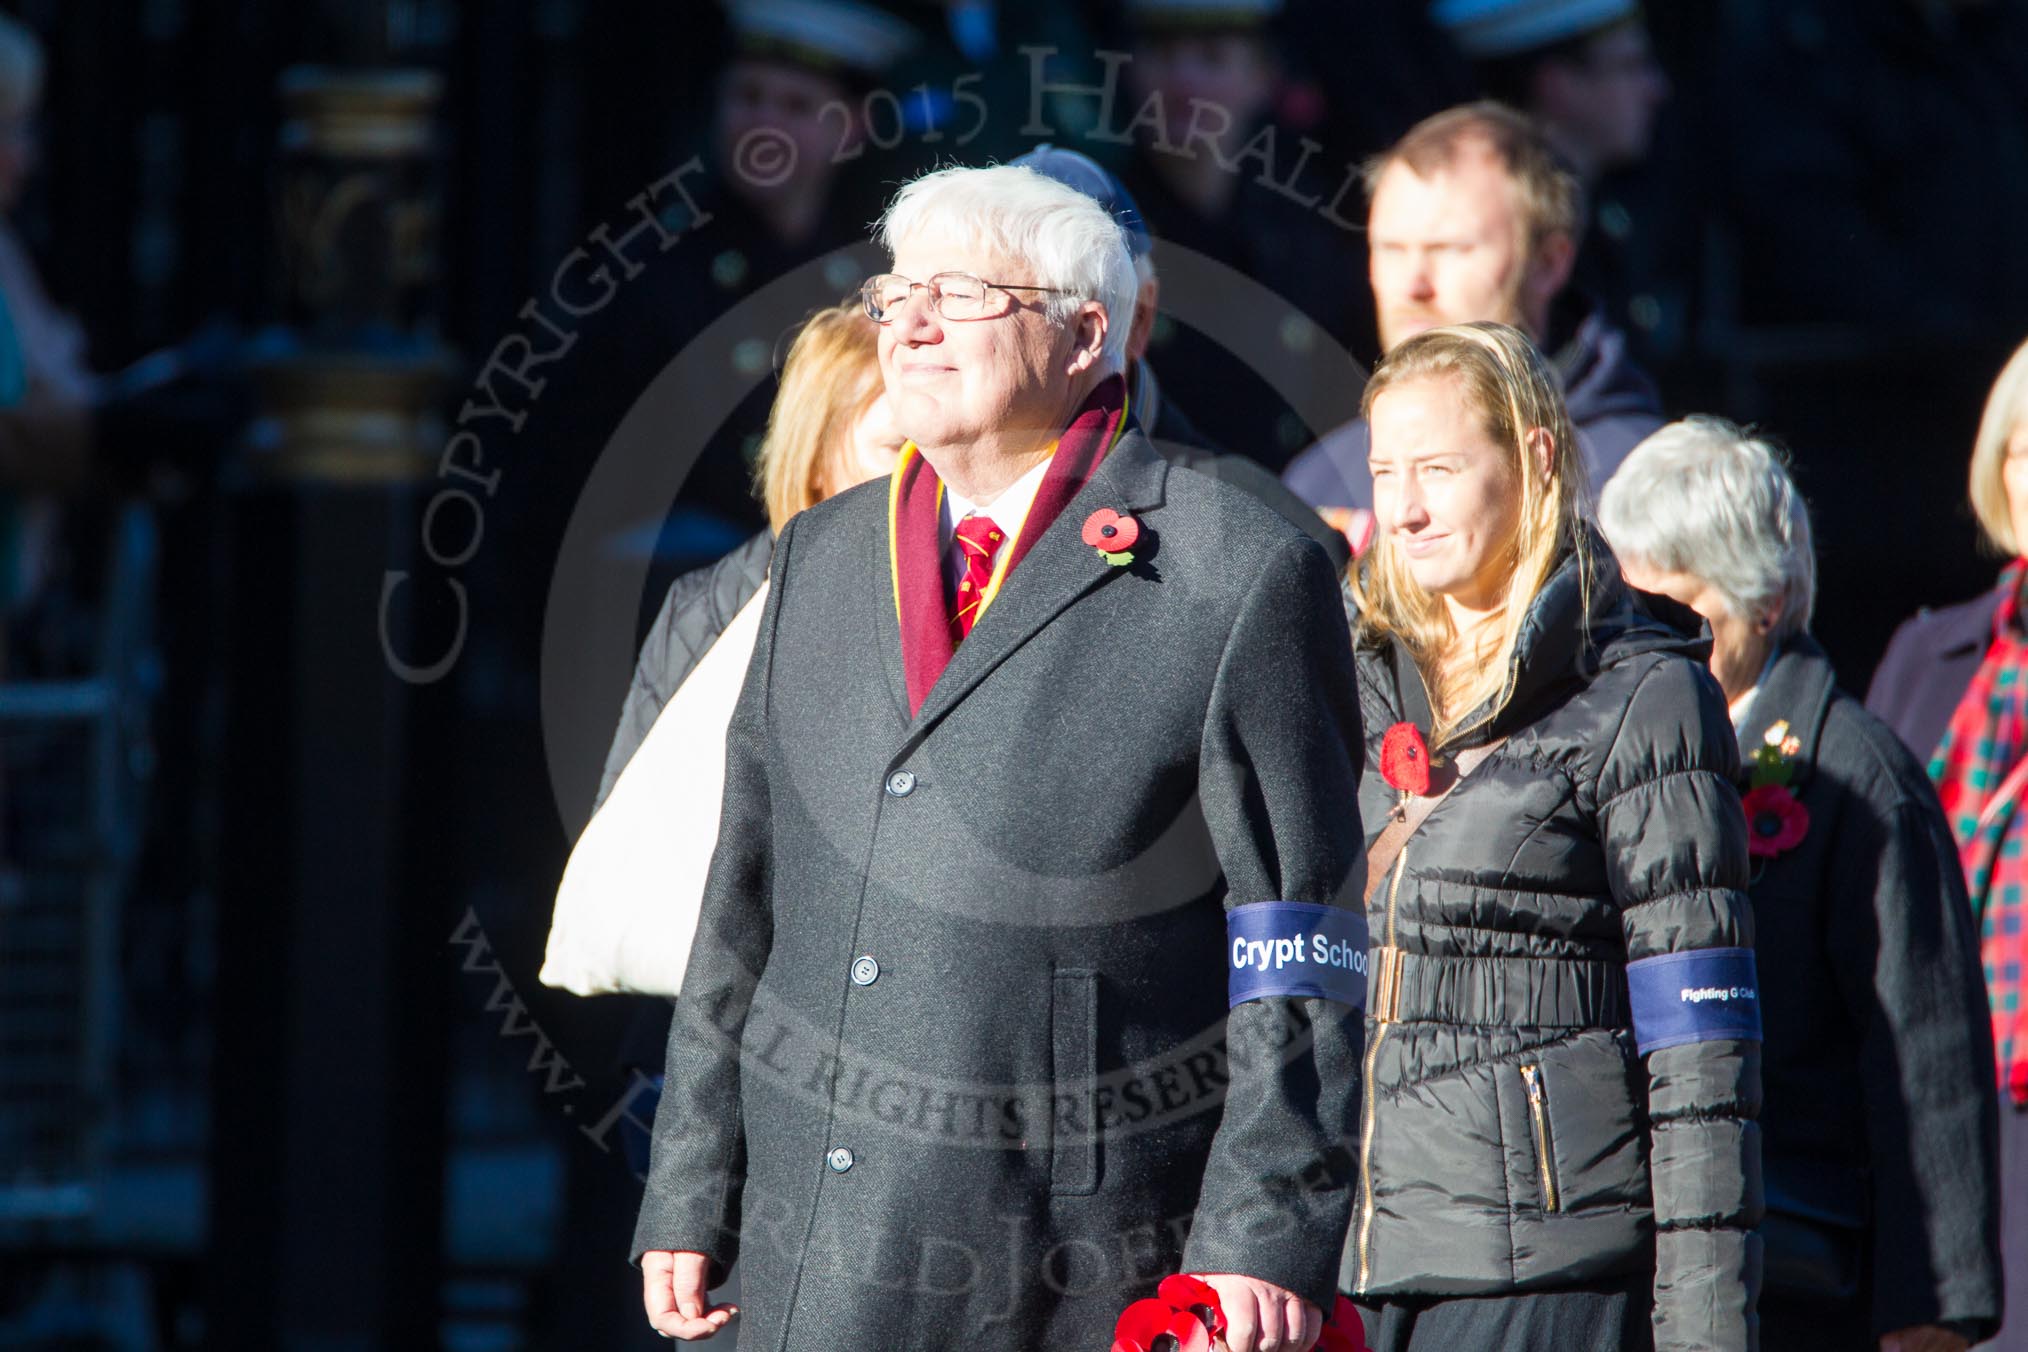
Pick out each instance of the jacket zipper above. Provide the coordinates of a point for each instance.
(1372, 1058)
(1538, 1111)
(1380, 1028)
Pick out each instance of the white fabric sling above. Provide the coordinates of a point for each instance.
(627, 908)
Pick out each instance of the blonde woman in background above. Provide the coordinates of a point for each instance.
(828, 430)
(627, 905)
(1555, 1152)
(1954, 685)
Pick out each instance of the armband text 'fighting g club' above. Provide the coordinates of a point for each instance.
(1699, 996)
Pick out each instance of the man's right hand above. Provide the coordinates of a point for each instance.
(672, 1289)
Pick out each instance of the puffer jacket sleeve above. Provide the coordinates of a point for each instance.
(1278, 782)
(697, 1157)
(1675, 846)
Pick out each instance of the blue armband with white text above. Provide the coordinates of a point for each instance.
(1299, 948)
(1700, 996)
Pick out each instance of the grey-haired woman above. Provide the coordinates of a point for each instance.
(1878, 1126)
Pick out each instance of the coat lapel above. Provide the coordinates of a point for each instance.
(1797, 691)
(879, 591)
(1056, 570)
(1969, 632)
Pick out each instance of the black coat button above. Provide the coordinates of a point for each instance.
(901, 783)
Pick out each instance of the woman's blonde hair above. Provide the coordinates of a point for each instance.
(2006, 407)
(1505, 381)
(831, 377)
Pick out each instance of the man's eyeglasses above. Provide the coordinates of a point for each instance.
(953, 295)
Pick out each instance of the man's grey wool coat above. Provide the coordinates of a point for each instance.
(953, 1065)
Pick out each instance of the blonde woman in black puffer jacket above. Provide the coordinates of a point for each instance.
(1558, 1147)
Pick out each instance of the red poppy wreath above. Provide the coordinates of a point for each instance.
(1187, 1316)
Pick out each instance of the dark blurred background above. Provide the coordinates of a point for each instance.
(322, 315)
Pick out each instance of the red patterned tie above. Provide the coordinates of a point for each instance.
(980, 538)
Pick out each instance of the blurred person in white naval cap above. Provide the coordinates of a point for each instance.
(790, 61)
(1583, 69)
(1587, 73)
(775, 189)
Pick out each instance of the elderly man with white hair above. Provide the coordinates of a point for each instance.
(1029, 965)
(1879, 1128)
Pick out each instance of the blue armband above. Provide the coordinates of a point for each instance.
(1699, 996)
(1283, 948)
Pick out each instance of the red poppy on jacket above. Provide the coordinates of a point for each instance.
(1775, 822)
(1109, 532)
(1404, 759)
(1187, 1293)
(1145, 1322)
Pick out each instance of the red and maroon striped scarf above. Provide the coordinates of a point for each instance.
(915, 522)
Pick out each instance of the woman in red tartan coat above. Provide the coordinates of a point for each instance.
(1954, 685)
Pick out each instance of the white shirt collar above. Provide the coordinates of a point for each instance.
(1741, 707)
(1008, 510)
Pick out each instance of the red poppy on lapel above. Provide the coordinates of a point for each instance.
(1148, 1324)
(1775, 822)
(1113, 534)
(1404, 759)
